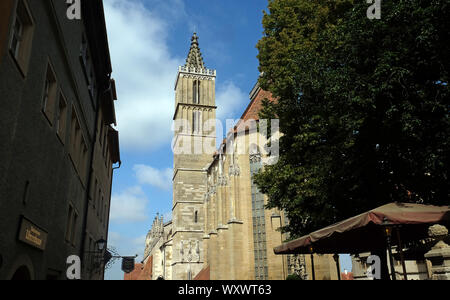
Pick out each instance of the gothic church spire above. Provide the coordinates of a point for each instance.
(194, 58)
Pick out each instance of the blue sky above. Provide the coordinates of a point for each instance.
(149, 39)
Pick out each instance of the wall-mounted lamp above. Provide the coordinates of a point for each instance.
(101, 244)
(388, 230)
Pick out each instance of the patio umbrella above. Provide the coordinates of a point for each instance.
(369, 231)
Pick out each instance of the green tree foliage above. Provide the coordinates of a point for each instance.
(293, 277)
(363, 107)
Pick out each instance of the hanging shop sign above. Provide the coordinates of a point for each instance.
(128, 264)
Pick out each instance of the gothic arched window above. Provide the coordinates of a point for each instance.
(196, 121)
(196, 92)
(259, 227)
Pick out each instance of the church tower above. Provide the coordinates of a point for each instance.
(193, 145)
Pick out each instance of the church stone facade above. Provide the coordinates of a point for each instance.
(220, 229)
(194, 105)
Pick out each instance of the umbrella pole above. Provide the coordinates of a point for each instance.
(338, 267)
(400, 246)
(311, 249)
(391, 260)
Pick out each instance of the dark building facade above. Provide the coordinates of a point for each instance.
(58, 149)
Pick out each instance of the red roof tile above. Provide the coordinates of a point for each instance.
(203, 274)
(255, 106)
(348, 276)
(135, 274)
(146, 273)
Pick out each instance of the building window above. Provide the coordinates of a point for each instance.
(74, 227)
(196, 121)
(196, 92)
(92, 86)
(105, 214)
(101, 209)
(50, 92)
(26, 192)
(69, 222)
(72, 218)
(84, 54)
(22, 35)
(94, 197)
(98, 201)
(88, 67)
(17, 37)
(75, 138)
(196, 217)
(259, 226)
(79, 150)
(84, 158)
(61, 120)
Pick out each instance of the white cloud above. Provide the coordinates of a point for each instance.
(158, 178)
(129, 206)
(229, 101)
(138, 244)
(144, 71)
(113, 238)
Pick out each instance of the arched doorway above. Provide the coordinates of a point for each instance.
(22, 273)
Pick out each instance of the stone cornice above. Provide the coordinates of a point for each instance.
(186, 262)
(187, 170)
(201, 74)
(192, 105)
(191, 231)
(235, 221)
(175, 141)
(222, 227)
(187, 202)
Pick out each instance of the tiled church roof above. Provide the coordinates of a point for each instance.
(255, 106)
(257, 95)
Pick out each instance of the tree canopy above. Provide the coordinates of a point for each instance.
(363, 107)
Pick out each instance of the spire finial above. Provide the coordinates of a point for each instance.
(194, 38)
(194, 58)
